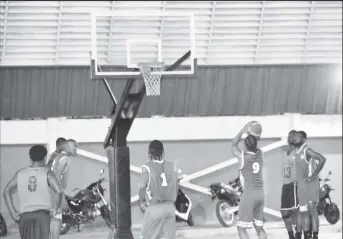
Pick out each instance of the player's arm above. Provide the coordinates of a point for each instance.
(310, 153)
(143, 184)
(63, 165)
(234, 147)
(49, 164)
(55, 185)
(9, 190)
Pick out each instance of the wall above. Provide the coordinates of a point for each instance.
(191, 156)
(43, 92)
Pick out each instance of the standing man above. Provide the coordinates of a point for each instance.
(289, 199)
(59, 165)
(33, 185)
(309, 163)
(251, 207)
(157, 195)
(60, 147)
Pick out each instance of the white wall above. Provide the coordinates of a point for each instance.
(16, 132)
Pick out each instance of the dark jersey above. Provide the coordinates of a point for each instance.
(251, 170)
(163, 182)
(289, 168)
(304, 166)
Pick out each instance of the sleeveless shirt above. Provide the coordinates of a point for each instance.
(33, 189)
(163, 182)
(251, 170)
(289, 174)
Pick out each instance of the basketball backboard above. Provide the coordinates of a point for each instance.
(124, 39)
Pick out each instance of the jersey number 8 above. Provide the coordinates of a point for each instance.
(255, 167)
(164, 180)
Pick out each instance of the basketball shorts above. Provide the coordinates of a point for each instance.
(35, 225)
(289, 196)
(159, 221)
(308, 192)
(251, 208)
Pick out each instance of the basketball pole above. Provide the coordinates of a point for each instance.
(122, 116)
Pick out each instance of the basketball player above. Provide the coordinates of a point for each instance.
(59, 165)
(33, 186)
(289, 200)
(251, 207)
(60, 147)
(309, 163)
(157, 195)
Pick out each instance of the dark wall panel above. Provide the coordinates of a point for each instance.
(190, 156)
(218, 91)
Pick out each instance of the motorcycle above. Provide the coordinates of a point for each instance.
(229, 198)
(85, 206)
(3, 227)
(326, 206)
(183, 206)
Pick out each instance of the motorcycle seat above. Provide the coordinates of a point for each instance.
(84, 195)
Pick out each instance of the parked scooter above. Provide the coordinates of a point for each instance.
(229, 198)
(3, 227)
(85, 206)
(326, 206)
(183, 206)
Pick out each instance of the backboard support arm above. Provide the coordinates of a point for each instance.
(123, 114)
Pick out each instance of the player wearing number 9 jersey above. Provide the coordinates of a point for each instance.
(157, 195)
(251, 207)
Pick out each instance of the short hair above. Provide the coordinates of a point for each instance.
(38, 152)
(303, 134)
(60, 141)
(292, 132)
(156, 149)
(71, 141)
(251, 143)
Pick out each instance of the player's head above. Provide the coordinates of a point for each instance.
(250, 143)
(38, 153)
(71, 147)
(156, 150)
(60, 144)
(300, 138)
(303, 136)
(291, 137)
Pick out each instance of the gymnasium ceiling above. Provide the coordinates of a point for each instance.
(227, 32)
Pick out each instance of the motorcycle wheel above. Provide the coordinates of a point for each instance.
(3, 227)
(65, 227)
(221, 207)
(106, 215)
(190, 220)
(332, 213)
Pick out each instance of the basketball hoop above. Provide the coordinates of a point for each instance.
(152, 81)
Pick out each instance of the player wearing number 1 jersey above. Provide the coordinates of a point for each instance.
(250, 210)
(157, 195)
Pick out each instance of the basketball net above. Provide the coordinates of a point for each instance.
(152, 81)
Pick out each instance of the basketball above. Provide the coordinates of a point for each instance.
(255, 129)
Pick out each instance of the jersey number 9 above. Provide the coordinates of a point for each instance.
(164, 180)
(255, 167)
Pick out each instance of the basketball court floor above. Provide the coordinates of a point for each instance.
(274, 230)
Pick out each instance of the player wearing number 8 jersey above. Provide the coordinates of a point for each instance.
(157, 195)
(252, 201)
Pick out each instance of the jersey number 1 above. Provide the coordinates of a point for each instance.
(164, 180)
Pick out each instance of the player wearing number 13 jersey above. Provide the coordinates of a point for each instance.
(157, 195)
(252, 201)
